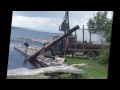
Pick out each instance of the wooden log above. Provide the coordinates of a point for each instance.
(48, 71)
(57, 59)
(86, 46)
(49, 56)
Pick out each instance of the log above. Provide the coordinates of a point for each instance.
(49, 56)
(55, 58)
(48, 71)
(86, 46)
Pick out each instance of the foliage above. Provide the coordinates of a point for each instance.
(108, 31)
(100, 23)
(103, 58)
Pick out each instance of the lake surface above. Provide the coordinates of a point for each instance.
(16, 59)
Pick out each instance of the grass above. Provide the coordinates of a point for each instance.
(92, 70)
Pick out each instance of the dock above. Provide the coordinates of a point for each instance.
(41, 60)
(22, 50)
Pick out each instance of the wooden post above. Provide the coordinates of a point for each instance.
(90, 37)
(83, 38)
(75, 41)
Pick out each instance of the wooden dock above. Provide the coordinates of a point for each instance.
(41, 60)
(22, 50)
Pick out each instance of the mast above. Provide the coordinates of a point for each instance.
(65, 24)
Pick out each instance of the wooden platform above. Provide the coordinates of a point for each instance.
(41, 60)
(22, 50)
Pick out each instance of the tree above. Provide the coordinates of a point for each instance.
(108, 31)
(91, 26)
(97, 24)
(100, 23)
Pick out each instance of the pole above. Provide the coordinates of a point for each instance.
(83, 38)
(68, 27)
(90, 37)
(75, 41)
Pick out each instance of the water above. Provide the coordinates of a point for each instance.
(16, 59)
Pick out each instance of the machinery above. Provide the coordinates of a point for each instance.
(69, 44)
(59, 48)
(51, 44)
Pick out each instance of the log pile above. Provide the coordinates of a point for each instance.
(86, 46)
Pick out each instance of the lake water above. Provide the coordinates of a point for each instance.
(16, 59)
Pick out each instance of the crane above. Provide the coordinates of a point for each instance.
(65, 24)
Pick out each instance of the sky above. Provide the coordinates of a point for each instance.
(49, 21)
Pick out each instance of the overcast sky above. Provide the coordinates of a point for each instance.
(49, 21)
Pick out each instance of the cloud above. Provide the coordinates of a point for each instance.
(52, 14)
(38, 23)
(50, 21)
(44, 21)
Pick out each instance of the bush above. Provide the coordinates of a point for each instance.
(103, 58)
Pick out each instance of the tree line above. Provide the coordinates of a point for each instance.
(101, 23)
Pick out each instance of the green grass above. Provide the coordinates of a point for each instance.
(92, 70)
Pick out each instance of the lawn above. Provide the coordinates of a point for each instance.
(92, 70)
